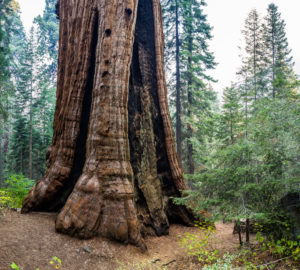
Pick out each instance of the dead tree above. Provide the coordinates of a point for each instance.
(112, 165)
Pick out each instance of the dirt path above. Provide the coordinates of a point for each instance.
(31, 241)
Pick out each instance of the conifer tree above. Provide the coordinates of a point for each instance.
(253, 70)
(47, 51)
(197, 60)
(188, 59)
(230, 116)
(34, 69)
(172, 21)
(8, 9)
(47, 35)
(279, 59)
(24, 100)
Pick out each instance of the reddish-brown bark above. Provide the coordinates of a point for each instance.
(112, 165)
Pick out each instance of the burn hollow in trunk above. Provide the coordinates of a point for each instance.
(113, 149)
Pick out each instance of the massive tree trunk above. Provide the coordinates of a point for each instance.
(112, 165)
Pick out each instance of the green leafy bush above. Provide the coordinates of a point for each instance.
(201, 245)
(224, 263)
(282, 248)
(15, 190)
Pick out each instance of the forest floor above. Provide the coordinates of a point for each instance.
(31, 242)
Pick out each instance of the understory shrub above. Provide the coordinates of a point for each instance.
(15, 190)
(202, 245)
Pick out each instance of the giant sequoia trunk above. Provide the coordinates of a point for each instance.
(112, 165)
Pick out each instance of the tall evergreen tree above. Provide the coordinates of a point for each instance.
(16, 46)
(253, 70)
(172, 20)
(8, 9)
(47, 32)
(35, 65)
(47, 51)
(278, 53)
(230, 116)
(197, 60)
(24, 99)
(188, 59)
(6, 12)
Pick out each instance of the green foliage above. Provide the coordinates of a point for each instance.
(278, 55)
(55, 262)
(224, 263)
(253, 70)
(283, 247)
(229, 120)
(201, 245)
(17, 188)
(246, 179)
(192, 66)
(18, 152)
(14, 266)
(47, 34)
(33, 66)
(263, 254)
(8, 8)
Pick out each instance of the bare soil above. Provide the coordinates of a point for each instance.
(31, 241)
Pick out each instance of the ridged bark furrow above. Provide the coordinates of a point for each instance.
(112, 163)
(102, 200)
(74, 78)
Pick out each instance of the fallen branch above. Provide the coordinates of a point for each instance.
(155, 261)
(166, 264)
(266, 264)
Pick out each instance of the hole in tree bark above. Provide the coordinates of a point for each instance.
(104, 73)
(128, 11)
(107, 32)
(80, 149)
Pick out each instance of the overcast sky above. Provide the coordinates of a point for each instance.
(227, 17)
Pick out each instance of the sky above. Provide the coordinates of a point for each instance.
(29, 10)
(227, 18)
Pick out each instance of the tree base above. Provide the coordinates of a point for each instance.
(112, 165)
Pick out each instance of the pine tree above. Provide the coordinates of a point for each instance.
(18, 148)
(8, 9)
(253, 70)
(188, 59)
(47, 32)
(280, 61)
(47, 51)
(231, 116)
(34, 69)
(197, 60)
(172, 21)
(16, 46)
(24, 99)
